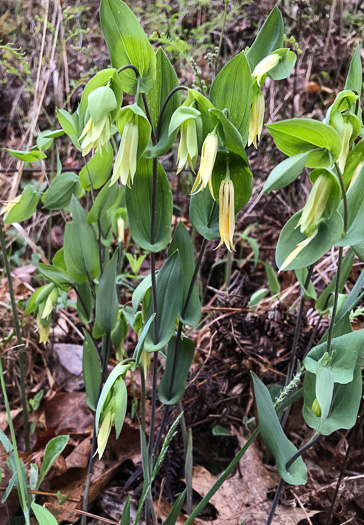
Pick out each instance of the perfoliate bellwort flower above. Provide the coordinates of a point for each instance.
(314, 209)
(265, 66)
(208, 157)
(96, 133)
(226, 213)
(256, 118)
(188, 145)
(43, 330)
(126, 159)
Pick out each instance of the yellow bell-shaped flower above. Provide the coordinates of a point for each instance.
(256, 119)
(226, 213)
(188, 145)
(126, 159)
(208, 157)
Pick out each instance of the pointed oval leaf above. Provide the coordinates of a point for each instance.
(107, 304)
(60, 192)
(91, 369)
(285, 172)
(269, 38)
(98, 169)
(138, 203)
(201, 207)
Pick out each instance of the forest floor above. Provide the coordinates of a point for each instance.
(233, 338)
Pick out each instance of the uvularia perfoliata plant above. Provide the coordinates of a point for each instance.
(126, 186)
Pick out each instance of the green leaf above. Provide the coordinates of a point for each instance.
(43, 515)
(257, 297)
(125, 519)
(272, 432)
(81, 251)
(354, 79)
(55, 275)
(354, 158)
(107, 304)
(301, 135)
(323, 303)
(26, 207)
(284, 68)
(60, 192)
(166, 80)
(176, 509)
(182, 242)
(138, 203)
(85, 302)
(141, 290)
(26, 156)
(121, 401)
(103, 202)
(45, 138)
(285, 172)
(345, 407)
(127, 44)
(54, 448)
(182, 114)
(218, 430)
(69, 125)
(98, 169)
(229, 135)
(91, 369)
(240, 174)
(309, 292)
(329, 231)
(233, 89)
(169, 296)
(201, 206)
(273, 282)
(346, 350)
(140, 346)
(269, 38)
(171, 395)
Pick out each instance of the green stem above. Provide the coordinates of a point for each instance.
(336, 299)
(13, 439)
(344, 196)
(19, 340)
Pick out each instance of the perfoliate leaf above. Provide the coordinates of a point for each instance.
(285, 172)
(233, 89)
(269, 38)
(26, 207)
(107, 305)
(26, 156)
(201, 206)
(127, 44)
(60, 192)
(98, 169)
(296, 136)
(81, 252)
(91, 369)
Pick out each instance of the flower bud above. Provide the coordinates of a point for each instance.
(345, 143)
(208, 157)
(43, 330)
(265, 66)
(104, 433)
(226, 213)
(316, 409)
(188, 145)
(256, 119)
(50, 302)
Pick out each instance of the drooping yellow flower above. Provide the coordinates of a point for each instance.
(208, 157)
(126, 159)
(265, 66)
(104, 432)
(9, 205)
(300, 246)
(96, 136)
(345, 143)
(256, 119)
(315, 205)
(226, 213)
(43, 331)
(188, 145)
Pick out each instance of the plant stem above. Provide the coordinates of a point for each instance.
(19, 340)
(344, 196)
(104, 354)
(13, 437)
(336, 299)
(168, 97)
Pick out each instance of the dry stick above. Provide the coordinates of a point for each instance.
(105, 352)
(20, 342)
